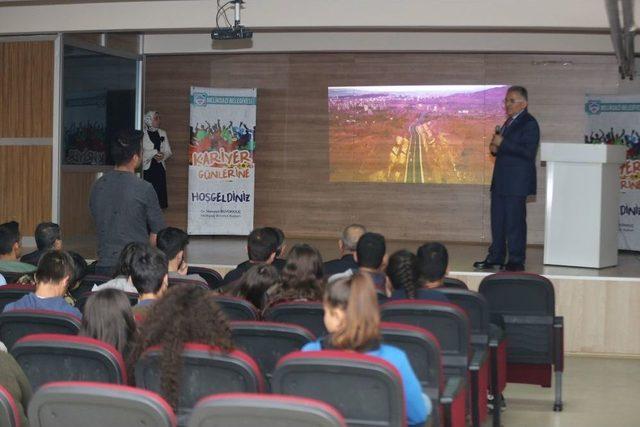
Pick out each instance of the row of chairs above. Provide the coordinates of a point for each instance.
(447, 322)
(63, 404)
(366, 390)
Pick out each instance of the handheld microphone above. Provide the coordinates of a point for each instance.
(498, 129)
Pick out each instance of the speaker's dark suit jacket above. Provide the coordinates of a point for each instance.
(514, 173)
(514, 178)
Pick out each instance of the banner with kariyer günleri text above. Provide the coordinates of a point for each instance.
(221, 167)
(615, 119)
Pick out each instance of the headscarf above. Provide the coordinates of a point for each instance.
(148, 121)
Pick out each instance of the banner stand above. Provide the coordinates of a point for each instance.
(221, 166)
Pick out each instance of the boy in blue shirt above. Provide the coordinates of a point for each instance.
(52, 279)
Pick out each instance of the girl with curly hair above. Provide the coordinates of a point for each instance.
(404, 272)
(185, 314)
(302, 276)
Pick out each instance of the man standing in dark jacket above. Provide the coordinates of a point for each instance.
(515, 145)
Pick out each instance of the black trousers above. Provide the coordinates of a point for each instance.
(508, 229)
(157, 176)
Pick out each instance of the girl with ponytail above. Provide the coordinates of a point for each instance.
(352, 317)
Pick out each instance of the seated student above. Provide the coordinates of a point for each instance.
(10, 249)
(371, 258)
(255, 284)
(108, 318)
(52, 279)
(149, 275)
(13, 379)
(173, 242)
(403, 273)
(352, 318)
(80, 268)
(433, 265)
(121, 279)
(302, 276)
(347, 246)
(262, 245)
(281, 247)
(185, 314)
(47, 237)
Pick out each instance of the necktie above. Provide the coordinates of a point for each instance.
(506, 124)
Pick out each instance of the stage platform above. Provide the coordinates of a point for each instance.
(601, 307)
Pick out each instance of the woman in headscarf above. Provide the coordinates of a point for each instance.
(156, 150)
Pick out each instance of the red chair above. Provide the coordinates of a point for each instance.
(174, 281)
(12, 292)
(484, 337)
(267, 342)
(424, 353)
(230, 410)
(9, 414)
(205, 370)
(66, 404)
(453, 283)
(47, 358)
(366, 390)
(523, 304)
(16, 324)
(81, 301)
(237, 308)
(450, 325)
(212, 277)
(309, 315)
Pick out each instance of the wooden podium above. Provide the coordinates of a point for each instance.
(583, 190)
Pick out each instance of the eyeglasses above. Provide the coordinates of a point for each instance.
(512, 101)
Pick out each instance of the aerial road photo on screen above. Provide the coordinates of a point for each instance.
(413, 134)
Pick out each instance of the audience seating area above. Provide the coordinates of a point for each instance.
(8, 410)
(20, 323)
(508, 332)
(48, 358)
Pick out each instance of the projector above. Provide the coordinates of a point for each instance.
(239, 32)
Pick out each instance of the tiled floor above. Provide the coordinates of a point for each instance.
(598, 392)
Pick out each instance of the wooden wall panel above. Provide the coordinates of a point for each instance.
(26, 89)
(292, 171)
(25, 186)
(75, 190)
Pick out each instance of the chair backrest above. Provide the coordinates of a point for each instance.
(422, 349)
(66, 404)
(86, 285)
(174, 281)
(267, 342)
(48, 358)
(366, 390)
(11, 277)
(13, 292)
(16, 324)
(524, 305)
(309, 315)
(9, 415)
(451, 282)
(90, 280)
(230, 410)
(81, 301)
(477, 309)
(213, 278)
(447, 322)
(205, 370)
(237, 308)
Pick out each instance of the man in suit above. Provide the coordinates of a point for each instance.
(515, 145)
